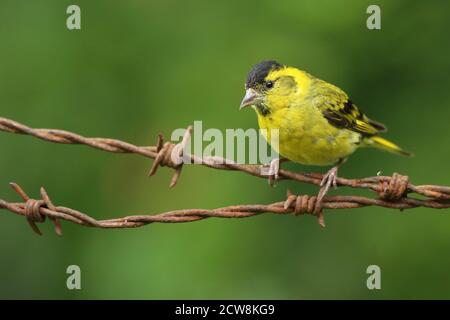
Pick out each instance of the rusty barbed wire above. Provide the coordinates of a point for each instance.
(36, 211)
(385, 186)
(392, 191)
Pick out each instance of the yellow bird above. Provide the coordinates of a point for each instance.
(317, 122)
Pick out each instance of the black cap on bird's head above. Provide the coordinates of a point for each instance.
(255, 81)
(260, 71)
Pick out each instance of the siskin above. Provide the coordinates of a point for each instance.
(317, 123)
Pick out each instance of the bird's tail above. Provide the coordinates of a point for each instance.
(381, 143)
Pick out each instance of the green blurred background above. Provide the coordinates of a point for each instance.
(138, 68)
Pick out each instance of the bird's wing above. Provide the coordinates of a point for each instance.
(341, 112)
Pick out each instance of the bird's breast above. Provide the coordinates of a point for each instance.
(306, 137)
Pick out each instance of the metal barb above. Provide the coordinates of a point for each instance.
(168, 152)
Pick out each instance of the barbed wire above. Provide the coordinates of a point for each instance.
(386, 186)
(392, 190)
(36, 211)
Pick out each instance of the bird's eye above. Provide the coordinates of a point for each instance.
(269, 84)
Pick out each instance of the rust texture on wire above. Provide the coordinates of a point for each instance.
(392, 190)
(36, 211)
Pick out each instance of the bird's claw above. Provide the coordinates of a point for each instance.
(328, 180)
(271, 170)
(274, 170)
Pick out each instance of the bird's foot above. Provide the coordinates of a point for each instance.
(272, 170)
(328, 180)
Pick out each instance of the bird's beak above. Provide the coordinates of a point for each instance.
(251, 98)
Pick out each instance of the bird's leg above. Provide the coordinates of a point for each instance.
(273, 169)
(328, 180)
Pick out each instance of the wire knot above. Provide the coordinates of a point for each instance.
(305, 204)
(170, 155)
(33, 209)
(395, 187)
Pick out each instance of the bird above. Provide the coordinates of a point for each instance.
(317, 122)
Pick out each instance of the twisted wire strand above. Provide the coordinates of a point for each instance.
(37, 210)
(161, 153)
